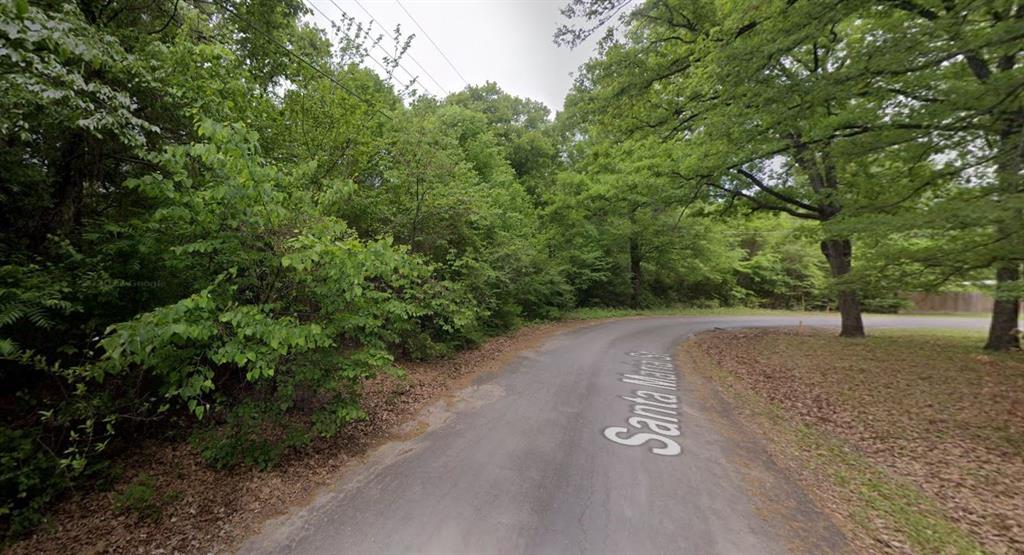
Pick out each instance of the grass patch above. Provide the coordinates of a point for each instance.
(950, 337)
(914, 438)
(144, 498)
(882, 503)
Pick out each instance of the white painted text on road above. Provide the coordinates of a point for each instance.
(654, 419)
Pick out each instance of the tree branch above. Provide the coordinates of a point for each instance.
(777, 195)
(761, 205)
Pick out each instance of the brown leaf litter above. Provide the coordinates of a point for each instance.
(928, 412)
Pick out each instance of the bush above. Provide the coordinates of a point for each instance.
(267, 341)
(29, 479)
(253, 433)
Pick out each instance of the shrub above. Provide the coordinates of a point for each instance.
(29, 479)
(253, 433)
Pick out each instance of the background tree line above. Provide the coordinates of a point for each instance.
(217, 223)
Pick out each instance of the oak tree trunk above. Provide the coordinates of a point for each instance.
(839, 253)
(1002, 333)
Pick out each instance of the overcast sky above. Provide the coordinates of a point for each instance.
(506, 41)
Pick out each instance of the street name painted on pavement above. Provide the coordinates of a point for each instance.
(654, 419)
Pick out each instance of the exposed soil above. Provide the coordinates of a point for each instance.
(203, 510)
(915, 442)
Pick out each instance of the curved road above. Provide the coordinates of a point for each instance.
(539, 459)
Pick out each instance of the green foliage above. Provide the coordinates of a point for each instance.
(519, 125)
(143, 499)
(188, 268)
(782, 265)
(895, 121)
(50, 62)
(253, 434)
(33, 296)
(29, 480)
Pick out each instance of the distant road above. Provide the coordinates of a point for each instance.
(593, 443)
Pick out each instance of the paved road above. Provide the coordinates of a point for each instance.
(537, 459)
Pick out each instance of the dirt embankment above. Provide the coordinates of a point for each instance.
(914, 441)
(201, 510)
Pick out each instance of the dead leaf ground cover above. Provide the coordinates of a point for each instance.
(913, 440)
(169, 501)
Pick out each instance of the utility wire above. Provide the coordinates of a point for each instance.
(302, 60)
(399, 2)
(414, 60)
(367, 52)
(398, 62)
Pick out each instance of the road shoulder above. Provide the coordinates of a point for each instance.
(777, 496)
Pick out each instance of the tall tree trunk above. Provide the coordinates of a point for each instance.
(1002, 333)
(839, 253)
(635, 275)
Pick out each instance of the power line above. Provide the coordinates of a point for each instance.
(397, 60)
(367, 52)
(387, 54)
(392, 38)
(399, 2)
(304, 61)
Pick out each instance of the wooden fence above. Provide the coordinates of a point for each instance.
(958, 301)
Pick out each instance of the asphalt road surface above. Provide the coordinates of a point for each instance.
(592, 443)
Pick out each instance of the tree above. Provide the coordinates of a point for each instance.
(629, 232)
(972, 52)
(174, 181)
(522, 128)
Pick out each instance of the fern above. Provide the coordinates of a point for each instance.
(33, 294)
